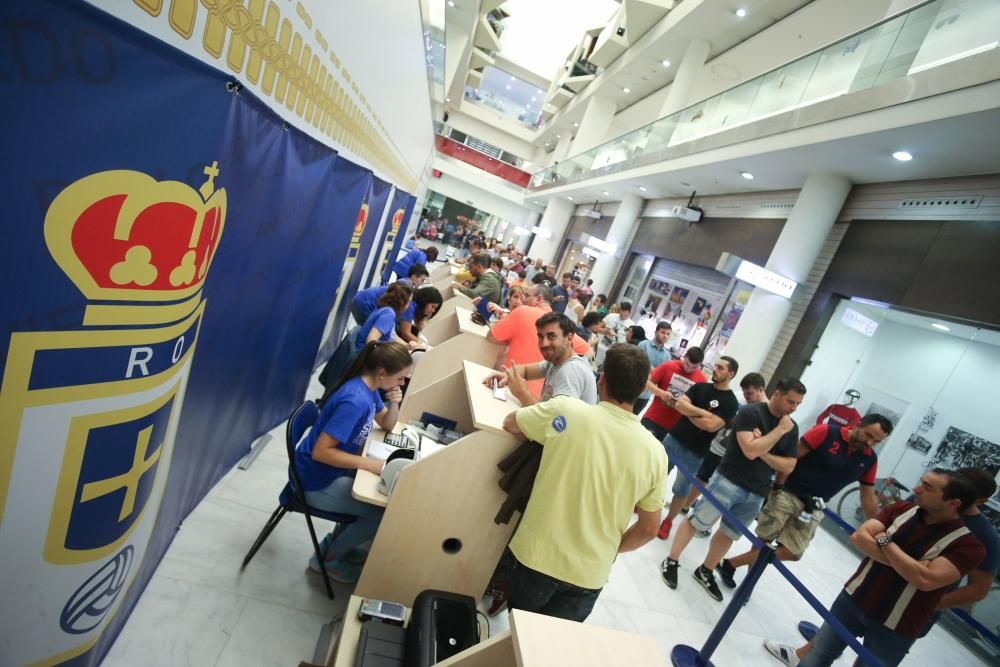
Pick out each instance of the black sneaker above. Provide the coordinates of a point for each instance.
(705, 577)
(668, 569)
(727, 573)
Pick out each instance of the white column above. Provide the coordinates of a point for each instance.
(521, 242)
(554, 222)
(508, 233)
(793, 256)
(688, 70)
(625, 219)
(594, 126)
(561, 150)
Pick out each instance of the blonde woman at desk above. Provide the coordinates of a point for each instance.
(329, 455)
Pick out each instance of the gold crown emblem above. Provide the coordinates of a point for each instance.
(124, 236)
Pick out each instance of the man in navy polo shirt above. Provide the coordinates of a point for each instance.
(829, 458)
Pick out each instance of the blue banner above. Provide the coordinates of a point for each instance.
(381, 192)
(401, 207)
(379, 247)
(172, 254)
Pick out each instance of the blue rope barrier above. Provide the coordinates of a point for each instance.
(961, 614)
(685, 656)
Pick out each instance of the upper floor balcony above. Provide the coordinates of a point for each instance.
(480, 154)
(895, 59)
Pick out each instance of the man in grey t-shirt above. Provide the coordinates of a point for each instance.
(565, 373)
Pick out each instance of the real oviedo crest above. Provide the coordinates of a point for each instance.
(88, 416)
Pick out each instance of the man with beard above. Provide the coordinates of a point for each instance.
(830, 457)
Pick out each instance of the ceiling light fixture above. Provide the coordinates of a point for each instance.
(626, 90)
(508, 87)
(665, 63)
(902, 156)
(558, 136)
(569, 198)
(940, 326)
(740, 13)
(547, 143)
(642, 187)
(747, 175)
(605, 193)
(576, 125)
(451, 3)
(447, 99)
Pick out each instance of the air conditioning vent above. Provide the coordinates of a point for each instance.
(937, 204)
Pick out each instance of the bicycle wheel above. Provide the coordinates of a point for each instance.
(849, 507)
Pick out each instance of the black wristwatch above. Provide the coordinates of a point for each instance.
(883, 541)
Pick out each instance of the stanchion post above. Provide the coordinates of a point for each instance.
(688, 656)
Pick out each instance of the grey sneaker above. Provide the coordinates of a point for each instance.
(783, 652)
(668, 569)
(706, 578)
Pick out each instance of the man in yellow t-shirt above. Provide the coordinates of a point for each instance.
(598, 464)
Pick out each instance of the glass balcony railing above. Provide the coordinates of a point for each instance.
(924, 37)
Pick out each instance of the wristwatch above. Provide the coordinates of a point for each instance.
(883, 541)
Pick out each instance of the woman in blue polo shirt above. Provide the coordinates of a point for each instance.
(425, 304)
(330, 454)
(381, 324)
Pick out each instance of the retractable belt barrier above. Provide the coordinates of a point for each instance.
(688, 656)
(985, 632)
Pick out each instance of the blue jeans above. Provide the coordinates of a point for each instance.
(678, 453)
(337, 498)
(744, 505)
(888, 647)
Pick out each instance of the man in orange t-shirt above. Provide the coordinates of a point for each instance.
(668, 381)
(518, 331)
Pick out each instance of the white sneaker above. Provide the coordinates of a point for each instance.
(783, 652)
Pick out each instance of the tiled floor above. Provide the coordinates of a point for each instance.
(199, 609)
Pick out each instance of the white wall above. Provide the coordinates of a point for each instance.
(372, 49)
(911, 367)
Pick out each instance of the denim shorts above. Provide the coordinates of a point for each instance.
(678, 453)
(742, 504)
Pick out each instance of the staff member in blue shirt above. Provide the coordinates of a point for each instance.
(415, 256)
(657, 351)
(329, 455)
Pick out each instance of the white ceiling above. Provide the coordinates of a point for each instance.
(956, 329)
(539, 34)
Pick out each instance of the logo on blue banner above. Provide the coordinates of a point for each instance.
(88, 417)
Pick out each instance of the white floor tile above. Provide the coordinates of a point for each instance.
(270, 635)
(176, 623)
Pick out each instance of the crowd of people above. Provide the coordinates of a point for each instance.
(609, 411)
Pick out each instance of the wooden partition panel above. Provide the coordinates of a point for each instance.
(441, 328)
(453, 300)
(448, 397)
(438, 531)
(447, 358)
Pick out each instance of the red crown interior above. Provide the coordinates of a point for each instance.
(164, 228)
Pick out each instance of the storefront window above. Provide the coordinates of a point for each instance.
(935, 380)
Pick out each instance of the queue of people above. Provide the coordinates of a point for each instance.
(612, 413)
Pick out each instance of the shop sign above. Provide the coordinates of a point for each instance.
(852, 319)
(758, 276)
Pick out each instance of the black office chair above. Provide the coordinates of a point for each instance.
(292, 498)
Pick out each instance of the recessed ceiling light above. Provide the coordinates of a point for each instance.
(508, 87)
(747, 175)
(576, 125)
(605, 193)
(511, 78)
(902, 156)
(537, 202)
(569, 198)
(642, 187)
(940, 326)
(532, 99)
(740, 13)
(626, 90)
(558, 136)
(451, 3)
(547, 143)
(447, 99)
(665, 63)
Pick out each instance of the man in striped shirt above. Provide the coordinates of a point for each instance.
(914, 552)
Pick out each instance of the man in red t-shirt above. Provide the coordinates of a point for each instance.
(667, 382)
(518, 331)
(913, 555)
